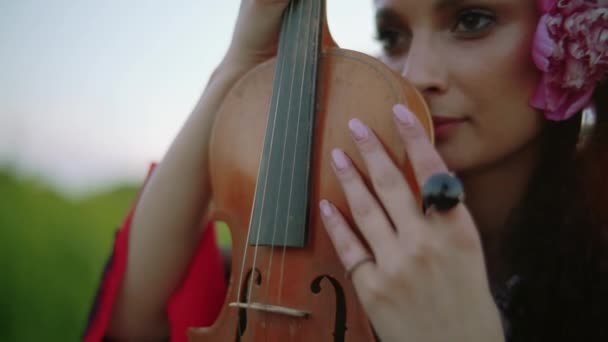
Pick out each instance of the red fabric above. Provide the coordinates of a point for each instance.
(199, 299)
(196, 301)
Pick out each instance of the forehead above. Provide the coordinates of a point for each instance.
(427, 8)
(424, 3)
(444, 4)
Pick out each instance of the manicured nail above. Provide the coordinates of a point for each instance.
(403, 114)
(326, 209)
(340, 160)
(359, 130)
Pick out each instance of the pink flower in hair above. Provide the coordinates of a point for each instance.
(571, 50)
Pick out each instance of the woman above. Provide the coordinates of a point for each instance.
(529, 242)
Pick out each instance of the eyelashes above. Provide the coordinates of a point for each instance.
(474, 21)
(469, 23)
(393, 41)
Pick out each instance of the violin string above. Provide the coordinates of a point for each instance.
(305, 63)
(259, 228)
(286, 132)
(268, 159)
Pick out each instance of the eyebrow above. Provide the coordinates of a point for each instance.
(387, 13)
(445, 4)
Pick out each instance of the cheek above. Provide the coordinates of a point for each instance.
(499, 68)
(497, 79)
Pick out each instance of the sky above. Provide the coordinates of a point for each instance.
(91, 92)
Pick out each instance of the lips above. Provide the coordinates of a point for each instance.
(442, 120)
(443, 125)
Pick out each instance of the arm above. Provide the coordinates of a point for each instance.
(166, 224)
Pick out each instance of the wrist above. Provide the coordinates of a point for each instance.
(231, 68)
(238, 61)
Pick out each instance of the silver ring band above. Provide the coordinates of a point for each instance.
(350, 271)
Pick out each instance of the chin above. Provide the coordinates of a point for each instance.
(458, 159)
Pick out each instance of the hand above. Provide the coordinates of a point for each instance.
(256, 34)
(426, 279)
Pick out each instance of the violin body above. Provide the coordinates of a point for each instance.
(297, 291)
(311, 278)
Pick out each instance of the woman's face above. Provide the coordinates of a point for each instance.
(472, 62)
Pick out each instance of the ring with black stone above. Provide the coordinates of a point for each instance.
(442, 192)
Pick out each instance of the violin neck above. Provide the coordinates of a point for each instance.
(280, 208)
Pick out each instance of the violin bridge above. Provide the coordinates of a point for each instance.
(272, 309)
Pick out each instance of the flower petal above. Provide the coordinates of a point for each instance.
(575, 103)
(546, 5)
(539, 99)
(543, 46)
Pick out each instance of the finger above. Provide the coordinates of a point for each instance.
(349, 248)
(388, 181)
(420, 151)
(423, 156)
(367, 213)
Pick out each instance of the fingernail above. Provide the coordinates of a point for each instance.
(359, 130)
(340, 160)
(403, 114)
(326, 209)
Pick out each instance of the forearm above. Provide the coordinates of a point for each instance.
(167, 223)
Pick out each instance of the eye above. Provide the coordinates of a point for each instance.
(472, 22)
(394, 41)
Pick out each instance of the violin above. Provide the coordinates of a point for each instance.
(269, 168)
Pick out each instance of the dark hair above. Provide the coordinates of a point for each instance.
(558, 244)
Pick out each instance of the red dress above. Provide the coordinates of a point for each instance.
(196, 301)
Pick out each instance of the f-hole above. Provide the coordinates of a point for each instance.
(340, 320)
(242, 324)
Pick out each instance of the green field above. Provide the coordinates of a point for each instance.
(52, 252)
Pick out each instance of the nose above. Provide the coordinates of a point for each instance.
(425, 67)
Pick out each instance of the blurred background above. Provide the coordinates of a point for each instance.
(92, 92)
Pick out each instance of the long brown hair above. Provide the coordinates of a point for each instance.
(559, 238)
